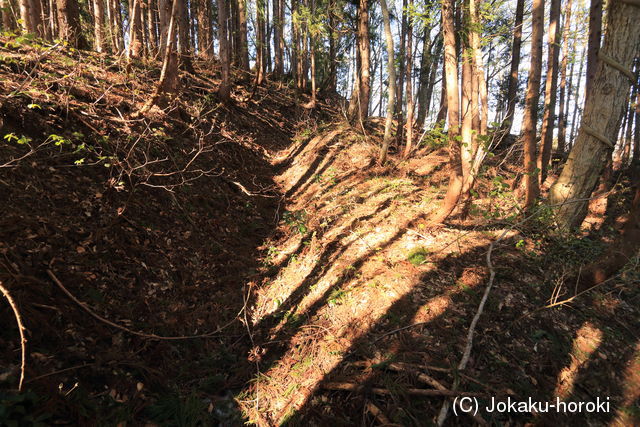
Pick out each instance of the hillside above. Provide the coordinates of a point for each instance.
(218, 264)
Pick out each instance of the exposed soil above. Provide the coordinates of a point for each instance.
(268, 227)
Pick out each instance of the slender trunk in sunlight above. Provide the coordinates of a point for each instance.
(548, 120)
(409, 82)
(169, 72)
(530, 120)
(391, 70)
(454, 189)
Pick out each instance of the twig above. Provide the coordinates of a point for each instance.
(124, 328)
(399, 367)
(61, 371)
(23, 341)
(398, 330)
(467, 350)
(380, 416)
(344, 386)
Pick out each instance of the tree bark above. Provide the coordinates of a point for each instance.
(391, 71)
(278, 37)
(116, 25)
(135, 31)
(409, 81)
(169, 74)
(8, 23)
(98, 18)
(595, 35)
(183, 37)
(25, 17)
(635, 162)
(69, 23)
(601, 117)
(454, 188)
(332, 48)
(442, 110)
(512, 89)
(224, 92)
(548, 120)
(426, 64)
(152, 27)
(364, 82)
(467, 108)
(576, 101)
(260, 42)
(531, 105)
(562, 119)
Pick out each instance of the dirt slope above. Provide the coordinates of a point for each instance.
(155, 223)
(269, 226)
(361, 297)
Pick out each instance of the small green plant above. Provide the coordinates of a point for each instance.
(436, 137)
(20, 140)
(337, 297)
(418, 256)
(297, 220)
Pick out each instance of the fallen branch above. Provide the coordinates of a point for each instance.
(380, 416)
(358, 388)
(23, 341)
(398, 330)
(398, 367)
(124, 328)
(467, 349)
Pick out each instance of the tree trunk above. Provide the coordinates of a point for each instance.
(562, 119)
(224, 92)
(35, 15)
(25, 17)
(595, 35)
(152, 27)
(205, 39)
(512, 89)
(636, 134)
(164, 16)
(332, 48)
(116, 25)
(546, 133)
(409, 82)
(601, 117)
(466, 131)
(260, 42)
(426, 63)
(432, 75)
(442, 110)
(576, 101)
(169, 73)
(69, 23)
(312, 47)
(402, 58)
(454, 189)
(98, 18)
(360, 112)
(391, 70)
(531, 105)
(278, 38)
(628, 134)
(8, 23)
(135, 31)
(183, 37)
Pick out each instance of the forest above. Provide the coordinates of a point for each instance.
(319, 212)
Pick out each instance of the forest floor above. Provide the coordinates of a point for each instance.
(318, 295)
